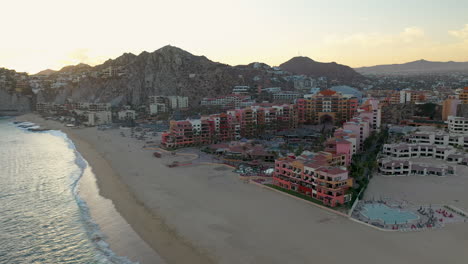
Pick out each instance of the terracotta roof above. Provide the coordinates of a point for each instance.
(328, 92)
(332, 170)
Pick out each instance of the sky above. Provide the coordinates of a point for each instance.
(37, 35)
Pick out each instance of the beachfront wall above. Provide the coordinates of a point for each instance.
(315, 179)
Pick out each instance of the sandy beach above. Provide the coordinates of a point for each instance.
(205, 214)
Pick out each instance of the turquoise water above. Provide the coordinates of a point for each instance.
(387, 214)
(42, 219)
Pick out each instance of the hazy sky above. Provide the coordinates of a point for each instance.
(36, 35)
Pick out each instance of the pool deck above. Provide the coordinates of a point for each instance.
(429, 216)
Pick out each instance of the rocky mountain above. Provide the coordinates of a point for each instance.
(166, 71)
(173, 71)
(416, 67)
(309, 67)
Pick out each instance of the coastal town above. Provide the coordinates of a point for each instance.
(234, 132)
(322, 145)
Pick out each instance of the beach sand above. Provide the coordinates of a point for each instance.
(205, 214)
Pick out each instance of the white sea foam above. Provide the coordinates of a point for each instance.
(106, 255)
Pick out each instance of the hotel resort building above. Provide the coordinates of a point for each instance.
(228, 101)
(326, 107)
(439, 138)
(397, 160)
(315, 178)
(406, 167)
(463, 96)
(457, 125)
(233, 125)
(403, 150)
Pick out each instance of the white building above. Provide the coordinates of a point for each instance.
(439, 138)
(177, 102)
(171, 102)
(286, 96)
(405, 167)
(233, 100)
(457, 125)
(99, 118)
(127, 114)
(157, 108)
(240, 89)
(272, 89)
(403, 150)
(405, 96)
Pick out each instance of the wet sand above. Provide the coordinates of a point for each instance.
(120, 236)
(200, 214)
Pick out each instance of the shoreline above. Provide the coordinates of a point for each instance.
(209, 208)
(150, 227)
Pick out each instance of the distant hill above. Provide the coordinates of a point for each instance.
(82, 67)
(46, 72)
(309, 67)
(416, 67)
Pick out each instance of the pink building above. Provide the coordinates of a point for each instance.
(360, 128)
(371, 111)
(314, 178)
(449, 107)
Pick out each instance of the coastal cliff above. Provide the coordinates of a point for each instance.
(14, 103)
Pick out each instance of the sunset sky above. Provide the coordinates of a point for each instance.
(37, 35)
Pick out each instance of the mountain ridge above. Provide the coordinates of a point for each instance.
(418, 66)
(173, 71)
(332, 70)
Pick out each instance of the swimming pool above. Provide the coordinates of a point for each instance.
(387, 214)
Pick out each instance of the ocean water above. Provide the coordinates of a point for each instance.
(42, 217)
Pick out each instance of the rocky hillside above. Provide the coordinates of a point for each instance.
(14, 103)
(416, 67)
(167, 71)
(309, 67)
(173, 71)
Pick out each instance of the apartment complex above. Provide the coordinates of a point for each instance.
(126, 114)
(439, 138)
(463, 96)
(228, 101)
(359, 127)
(286, 96)
(405, 167)
(449, 107)
(457, 125)
(406, 96)
(53, 107)
(232, 125)
(160, 104)
(372, 111)
(403, 150)
(314, 177)
(326, 107)
(98, 118)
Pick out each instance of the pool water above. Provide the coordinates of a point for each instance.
(387, 214)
